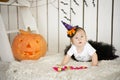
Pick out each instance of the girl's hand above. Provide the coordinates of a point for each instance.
(94, 59)
(59, 65)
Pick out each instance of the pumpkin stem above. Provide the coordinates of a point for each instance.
(25, 32)
(29, 30)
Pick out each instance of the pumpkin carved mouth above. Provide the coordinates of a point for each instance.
(28, 53)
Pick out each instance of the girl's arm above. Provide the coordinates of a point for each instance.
(94, 59)
(65, 60)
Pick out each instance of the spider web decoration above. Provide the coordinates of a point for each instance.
(33, 3)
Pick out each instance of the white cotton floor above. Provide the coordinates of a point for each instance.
(42, 70)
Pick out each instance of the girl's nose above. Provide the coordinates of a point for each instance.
(79, 39)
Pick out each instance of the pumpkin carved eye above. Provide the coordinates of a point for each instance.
(28, 46)
(21, 40)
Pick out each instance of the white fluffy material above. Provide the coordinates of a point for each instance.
(42, 70)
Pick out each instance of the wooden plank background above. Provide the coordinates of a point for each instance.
(100, 19)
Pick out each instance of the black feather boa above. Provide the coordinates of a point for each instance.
(104, 51)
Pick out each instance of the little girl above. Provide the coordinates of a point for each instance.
(82, 50)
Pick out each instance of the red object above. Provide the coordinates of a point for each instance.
(59, 69)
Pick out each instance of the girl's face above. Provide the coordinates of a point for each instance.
(79, 39)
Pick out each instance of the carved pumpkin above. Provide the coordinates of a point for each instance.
(28, 46)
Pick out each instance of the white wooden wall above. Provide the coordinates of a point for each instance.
(100, 19)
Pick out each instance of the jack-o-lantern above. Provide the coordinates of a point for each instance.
(28, 46)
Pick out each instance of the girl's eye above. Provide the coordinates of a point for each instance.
(82, 36)
(76, 38)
